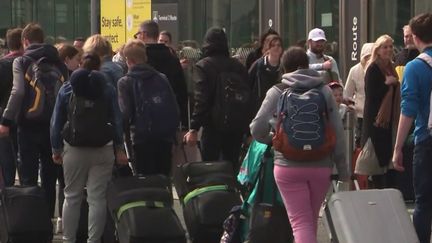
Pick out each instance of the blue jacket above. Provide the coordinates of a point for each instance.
(59, 117)
(415, 93)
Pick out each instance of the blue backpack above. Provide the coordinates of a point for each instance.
(156, 109)
(303, 131)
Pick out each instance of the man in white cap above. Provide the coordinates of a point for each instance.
(318, 61)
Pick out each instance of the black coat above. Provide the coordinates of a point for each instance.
(375, 90)
(262, 76)
(6, 79)
(161, 58)
(205, 85)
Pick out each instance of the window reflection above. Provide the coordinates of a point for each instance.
(294, 22)
(395, 12)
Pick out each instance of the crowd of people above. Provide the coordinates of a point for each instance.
(134, 104)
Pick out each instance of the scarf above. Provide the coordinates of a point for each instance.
(390, 105)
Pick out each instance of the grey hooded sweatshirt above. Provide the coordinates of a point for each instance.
(261, 125)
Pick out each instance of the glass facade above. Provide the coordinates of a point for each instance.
(67, 19)
(239, 18)
(396, 14)
(326, 17)
(422, 6)
(61, 19)
(293, 24)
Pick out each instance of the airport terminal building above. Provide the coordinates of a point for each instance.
(347, 23)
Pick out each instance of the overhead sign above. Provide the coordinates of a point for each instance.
(353, 34)
(120, 19)
(166, 15)
(136, 12)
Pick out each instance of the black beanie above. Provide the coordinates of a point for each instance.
(88, 84)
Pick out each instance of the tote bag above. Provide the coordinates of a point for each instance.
(367, 161)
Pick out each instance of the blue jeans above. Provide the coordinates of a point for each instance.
(8, 158)
(35, 147)
(422, 173)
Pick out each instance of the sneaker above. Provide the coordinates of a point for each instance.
(59, 226)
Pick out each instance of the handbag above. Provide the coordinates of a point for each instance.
(367, 161)
(268, 221)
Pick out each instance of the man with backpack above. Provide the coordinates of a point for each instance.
(222, 101)
(87, 117)
(415, 105)
(8, 146)
(37, 76)
(150, 112)
(161, 58)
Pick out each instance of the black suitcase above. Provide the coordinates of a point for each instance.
(208, 191)
(142, 210)
(20, 221)
(193, 175)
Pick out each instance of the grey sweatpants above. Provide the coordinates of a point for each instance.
(91, 168)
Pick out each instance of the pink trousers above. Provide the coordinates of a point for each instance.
(303, 191)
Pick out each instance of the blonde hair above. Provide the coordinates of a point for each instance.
(99, 45)
(376, 46)
(135, 50)
(385, 67)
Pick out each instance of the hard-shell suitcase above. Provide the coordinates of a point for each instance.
(142, 210)
(378, 216)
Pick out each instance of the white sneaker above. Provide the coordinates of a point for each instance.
(59, 226)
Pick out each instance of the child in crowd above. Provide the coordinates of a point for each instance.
(337, 90)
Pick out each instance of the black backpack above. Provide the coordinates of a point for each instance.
(233, 100)
(6, 80)
(44, 79)
(156, 110)
(88, 122)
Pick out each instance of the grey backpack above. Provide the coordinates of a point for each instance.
(428, 59)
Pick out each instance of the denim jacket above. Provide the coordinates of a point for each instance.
(59, 117)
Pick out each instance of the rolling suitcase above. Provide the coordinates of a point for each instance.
(207, 191)
(20, 221)
(378, 216)
(142, 210)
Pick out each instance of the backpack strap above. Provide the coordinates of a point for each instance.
(425, 58)
(281, 86)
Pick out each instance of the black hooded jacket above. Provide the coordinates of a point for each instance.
(33, 53)
(160, 58)
(216, 58)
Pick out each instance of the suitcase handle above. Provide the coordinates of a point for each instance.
(335, 182)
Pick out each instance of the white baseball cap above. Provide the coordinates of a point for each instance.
(317, 34)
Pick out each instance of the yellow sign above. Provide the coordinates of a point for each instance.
(113, 21)
(120, 19)
(136, 12)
